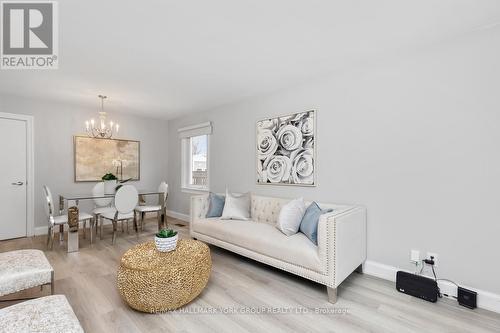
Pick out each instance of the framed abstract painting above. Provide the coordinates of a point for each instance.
(94, 157)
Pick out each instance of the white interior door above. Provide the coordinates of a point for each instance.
(13, 175)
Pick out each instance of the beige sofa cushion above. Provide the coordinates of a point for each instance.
(263, 238)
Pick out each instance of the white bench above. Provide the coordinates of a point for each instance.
(24, 269)
(50, 314)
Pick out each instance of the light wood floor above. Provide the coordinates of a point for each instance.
(88, 279)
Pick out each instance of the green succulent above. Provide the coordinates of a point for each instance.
(166, 233)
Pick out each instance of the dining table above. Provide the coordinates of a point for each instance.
(72, 211)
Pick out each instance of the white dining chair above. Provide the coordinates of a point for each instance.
(125, 201)
(58, 220)
(142, 210)
(101, 205)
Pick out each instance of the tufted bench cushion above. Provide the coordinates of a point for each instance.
(50, 314)
(23, 269)
(265, 239)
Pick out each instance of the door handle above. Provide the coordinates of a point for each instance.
(18, 184)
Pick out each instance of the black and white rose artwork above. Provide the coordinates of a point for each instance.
(285, 149)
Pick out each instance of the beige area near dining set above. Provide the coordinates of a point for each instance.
(121, 206)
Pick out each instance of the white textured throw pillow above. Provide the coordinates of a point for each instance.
(290, 217)
(237, 207)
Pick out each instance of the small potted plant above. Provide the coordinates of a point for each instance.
(110, 181)
(166, 240)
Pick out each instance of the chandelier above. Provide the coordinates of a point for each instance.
(101, 129)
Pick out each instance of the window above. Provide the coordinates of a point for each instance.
(194, 144)
(198, 163)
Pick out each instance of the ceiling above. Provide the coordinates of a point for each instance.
(165, 58)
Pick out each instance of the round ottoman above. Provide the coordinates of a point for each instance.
(153, 281)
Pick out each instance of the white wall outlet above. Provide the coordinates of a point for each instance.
(432, 254)
(414, 256)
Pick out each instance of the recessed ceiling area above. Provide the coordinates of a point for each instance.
(166, 58)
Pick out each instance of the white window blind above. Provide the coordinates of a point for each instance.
(195, 130)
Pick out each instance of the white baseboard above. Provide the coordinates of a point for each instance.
(485, 299)
(180, 216)
(40, 231)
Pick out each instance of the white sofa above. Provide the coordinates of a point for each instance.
(341, 245)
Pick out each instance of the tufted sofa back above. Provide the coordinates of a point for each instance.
(266, 209)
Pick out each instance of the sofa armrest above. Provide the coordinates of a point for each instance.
(342, 242)
(198, 209)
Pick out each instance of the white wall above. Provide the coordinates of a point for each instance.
(416, 140)
(54, 126)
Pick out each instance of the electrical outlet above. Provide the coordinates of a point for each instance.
(432, 254)
(415, 256)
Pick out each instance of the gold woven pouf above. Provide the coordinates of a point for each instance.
(153, 281)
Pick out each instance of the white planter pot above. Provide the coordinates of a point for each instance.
(109, 186)
(166, 244)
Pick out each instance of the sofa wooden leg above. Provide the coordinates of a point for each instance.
(359, 269)
(332, 295)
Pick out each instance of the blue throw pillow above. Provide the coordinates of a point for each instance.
(309, 223)
(215, 205)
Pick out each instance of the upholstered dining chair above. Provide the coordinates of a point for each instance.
(125, 201)
(58, 220)
(101, 205)
(142, 210)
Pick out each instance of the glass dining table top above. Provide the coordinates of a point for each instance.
(89, 196)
